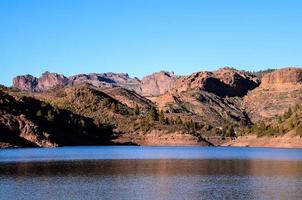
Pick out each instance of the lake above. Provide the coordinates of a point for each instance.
(135, 172)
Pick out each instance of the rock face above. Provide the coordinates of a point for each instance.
(288, 75)
(51, 80)
(223, 82)
(45, 82)
(107, 80)
(16, 129)
(25, 83)
(20, 131)
(152, 85)
(212, 98)
(158, 83)
(278, 91)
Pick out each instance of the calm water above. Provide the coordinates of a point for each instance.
(151, 173)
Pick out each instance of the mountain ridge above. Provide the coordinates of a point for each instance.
(166, 109)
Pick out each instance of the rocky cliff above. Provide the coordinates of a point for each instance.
(46, 81)
(211, 98)
(223, 82)
(152, 85)
(25, 83)
(51, 80)
(158, 83)
(289, 75)
(278, 91)
(108, 80)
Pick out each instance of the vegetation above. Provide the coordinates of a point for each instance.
(260, 73)
(63, 126)
(290, 121)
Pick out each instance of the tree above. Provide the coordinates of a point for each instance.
(152, 115)
(299, 130)
(190, 125)
(50, 116)
(288, 113)
(39, 113)
(167, 121)
(161, 117)
(105, 102)
(82, 123)
(136, 109)
(113, 107)
(178, 120)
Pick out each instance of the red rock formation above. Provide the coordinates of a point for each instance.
(223, 82)
(20, 131)
(107, 80)
(288, 75)
(158, 83)
(25, 83)
(278, 91)
(51, 80)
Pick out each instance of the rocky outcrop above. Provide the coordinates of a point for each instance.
(20, 131)
(128, 97)
(223, 82)
(278, 91)
(107, 80)
(46, 81)
(50, 80)
(158, 83)
(288, 75)
(25, 83)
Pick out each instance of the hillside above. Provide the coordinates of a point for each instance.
(278, 91)
(281, 131)
(26, 121)
(204, 108)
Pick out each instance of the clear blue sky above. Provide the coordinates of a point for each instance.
(144, 36)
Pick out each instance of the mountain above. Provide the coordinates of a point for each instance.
(204, 108)
(223, 82)
(158, 83)
(29, 122)
(107, 80)
(152, 85)
(278, 91)
(210, 97)
(51, 80)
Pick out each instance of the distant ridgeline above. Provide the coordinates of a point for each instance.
(204, 108)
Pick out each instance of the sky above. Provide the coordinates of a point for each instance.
(140, 37)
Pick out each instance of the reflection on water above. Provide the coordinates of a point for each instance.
(150, 173)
